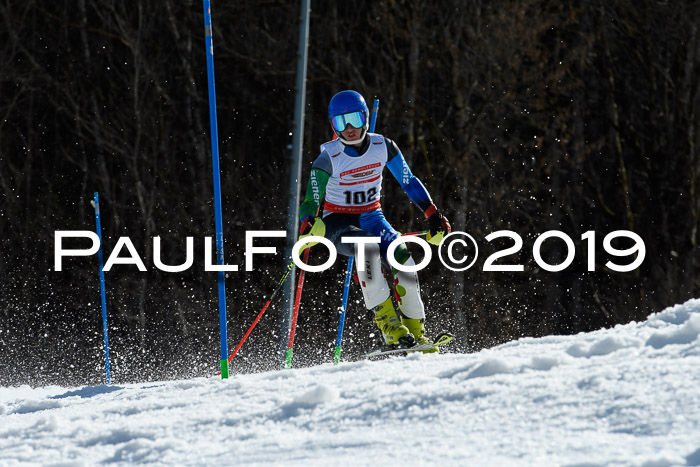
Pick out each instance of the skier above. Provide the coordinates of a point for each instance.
(349, 172)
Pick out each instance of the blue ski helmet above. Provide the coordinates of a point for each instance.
(346, 102)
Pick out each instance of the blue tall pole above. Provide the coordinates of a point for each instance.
(96, 205)
(373, 118)
(343, 309)
(221, 275)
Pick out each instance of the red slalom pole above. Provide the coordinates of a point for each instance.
(297, 302)
(279, 286)
(249, 330)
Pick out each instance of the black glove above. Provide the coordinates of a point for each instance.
(438, 223)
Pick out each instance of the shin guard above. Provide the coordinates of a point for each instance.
(408, 293)
(375, 289)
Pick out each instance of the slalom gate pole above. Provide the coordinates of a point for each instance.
(96, 204)
(281, 282)
(343, 309)
(297, 302)
(373, 118)
(221, 275)
(348, 274)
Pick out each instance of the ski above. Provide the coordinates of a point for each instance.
(441, 339)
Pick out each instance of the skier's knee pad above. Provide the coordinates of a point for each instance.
(408, 293)
(401, 254)
(375, 290)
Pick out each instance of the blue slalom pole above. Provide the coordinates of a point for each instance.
(373, 118)
(348, 273)
(221, 275)
(96, 205)
(343, 309)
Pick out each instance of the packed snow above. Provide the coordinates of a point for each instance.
(623, 396)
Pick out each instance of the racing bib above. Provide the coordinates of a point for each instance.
(356, 183)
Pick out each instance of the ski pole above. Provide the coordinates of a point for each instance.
(422, 232)
(279, 287)
(348, 274)
(343, 309)
(297, 302)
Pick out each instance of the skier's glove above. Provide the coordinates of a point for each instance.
(311, 225)
(439, 225)
(306, 225)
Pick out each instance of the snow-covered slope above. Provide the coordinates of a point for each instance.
(623, 396)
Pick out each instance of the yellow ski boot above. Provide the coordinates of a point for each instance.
(393, 331)
(417, 329)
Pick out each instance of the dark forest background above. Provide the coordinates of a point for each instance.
(522, 115)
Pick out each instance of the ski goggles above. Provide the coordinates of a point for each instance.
(356, 119)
